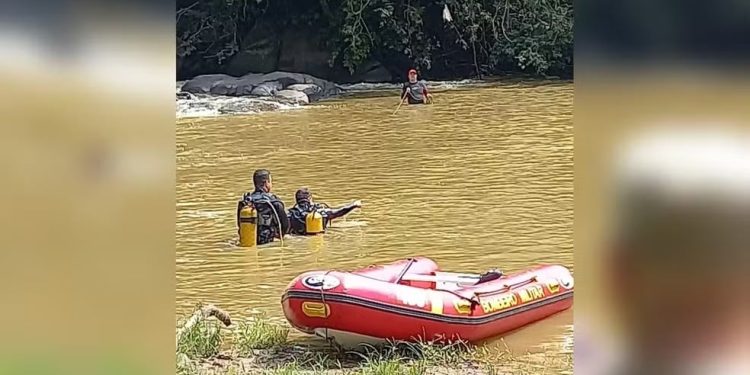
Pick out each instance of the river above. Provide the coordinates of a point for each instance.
(483, 178)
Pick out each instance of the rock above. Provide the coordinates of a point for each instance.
(268, 88)
(258, 84)
(287, 78)
(226, 87)
(312, 91)
(247, 83)
(184, 95)
(296, 96)
(202, 84)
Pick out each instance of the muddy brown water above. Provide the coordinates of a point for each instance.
(481, 179)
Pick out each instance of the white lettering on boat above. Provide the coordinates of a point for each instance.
(411, 297)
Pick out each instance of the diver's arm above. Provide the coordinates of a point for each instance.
(283, 218)
(334, 213)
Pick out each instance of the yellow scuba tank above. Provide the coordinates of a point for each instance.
(314, 223)
(248, 226)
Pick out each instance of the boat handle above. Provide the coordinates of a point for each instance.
(403, 272)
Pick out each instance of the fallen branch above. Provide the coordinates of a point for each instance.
(202, 313)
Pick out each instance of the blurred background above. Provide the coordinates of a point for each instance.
(661, 191)
(87, 144)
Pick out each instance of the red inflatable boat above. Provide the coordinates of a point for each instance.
(412, 300)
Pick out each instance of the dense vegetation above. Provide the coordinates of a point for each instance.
(482, 37)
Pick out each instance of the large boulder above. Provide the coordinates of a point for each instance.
(288, 79)
(268, 88)
(246, 84)
(262, 85)
(313, 91)
(203, 84)
(294, 96)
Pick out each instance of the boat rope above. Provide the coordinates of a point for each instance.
(326, 310)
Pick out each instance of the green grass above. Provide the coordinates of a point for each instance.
(202, 340)
(450, 354)
(391, 359)
(394, 358)
(320, 361)
(259, 334)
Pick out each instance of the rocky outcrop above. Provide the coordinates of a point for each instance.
(314, 92)
(203, 84)
(298, 97)
(268, 88)
(270, 84)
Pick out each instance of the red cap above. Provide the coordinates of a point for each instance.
(412, 71)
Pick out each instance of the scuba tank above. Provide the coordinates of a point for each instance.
(314, 223)
(248, 226)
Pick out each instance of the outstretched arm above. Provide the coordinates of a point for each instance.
(334, 213)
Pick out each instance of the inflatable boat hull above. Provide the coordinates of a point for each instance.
(406, 301)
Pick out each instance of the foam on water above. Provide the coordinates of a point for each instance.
(439, 85)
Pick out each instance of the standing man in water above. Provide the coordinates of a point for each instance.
(272, 219)
(415, 91)
(305, 206)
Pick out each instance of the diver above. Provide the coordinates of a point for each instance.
(415, 91)
(307, 217)
(271, 219)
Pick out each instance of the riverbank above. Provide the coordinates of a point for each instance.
(261, 346)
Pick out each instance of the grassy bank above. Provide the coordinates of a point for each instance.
(261, 346)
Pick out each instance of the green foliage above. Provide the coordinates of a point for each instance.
(202, 340)
(484, 36)
(259, 334)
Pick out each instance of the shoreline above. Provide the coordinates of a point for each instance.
(261, 346)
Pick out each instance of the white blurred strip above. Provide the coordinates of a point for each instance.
(107, 63)
(682, 159)
(118, 65)
(20, 51)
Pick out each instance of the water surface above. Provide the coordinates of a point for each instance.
(481, 179)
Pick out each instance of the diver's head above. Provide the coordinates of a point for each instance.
(412, 75)
(262, 180)
(303, 195)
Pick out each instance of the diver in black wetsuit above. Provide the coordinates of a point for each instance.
(305, 206)
(272, 220)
